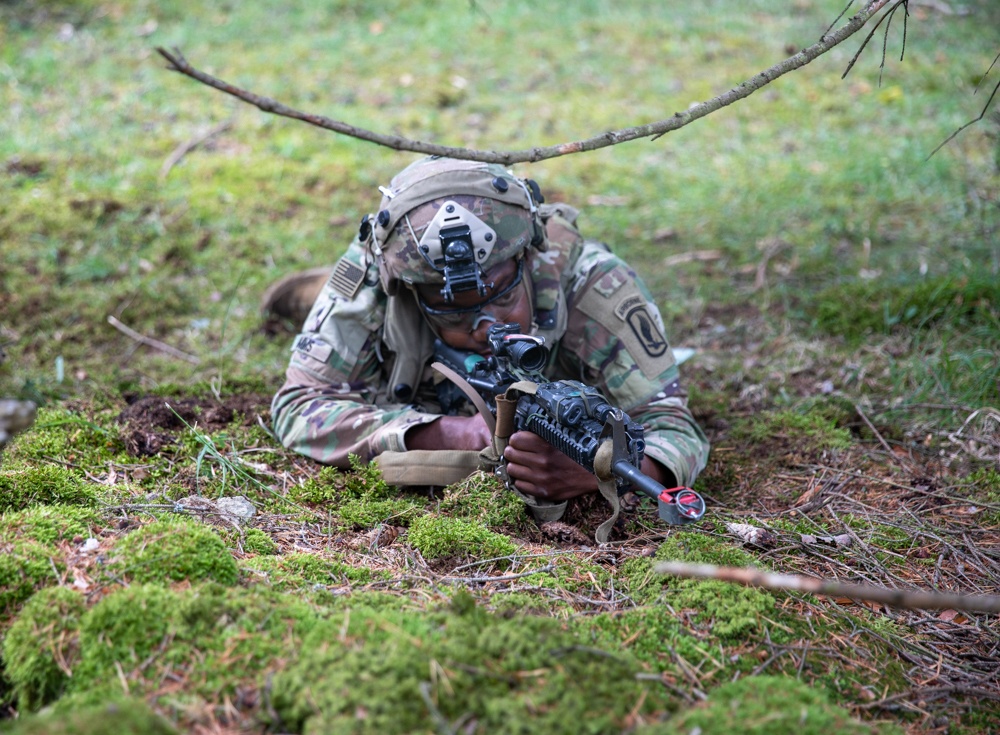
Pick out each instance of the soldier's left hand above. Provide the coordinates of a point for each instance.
(540, 469)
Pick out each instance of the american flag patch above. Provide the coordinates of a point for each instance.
(347, 278)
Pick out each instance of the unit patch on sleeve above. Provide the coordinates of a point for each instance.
(633, 311)
(643, 339)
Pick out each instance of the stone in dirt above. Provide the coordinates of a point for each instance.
(15, 416)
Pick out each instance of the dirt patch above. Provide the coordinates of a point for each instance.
(17, 166)
(153, 422)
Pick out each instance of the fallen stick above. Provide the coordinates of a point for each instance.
(184, 148)
(150, 342)
(906, 599)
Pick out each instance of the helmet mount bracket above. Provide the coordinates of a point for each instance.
(456, 243)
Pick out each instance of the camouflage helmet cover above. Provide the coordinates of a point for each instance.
(412, 200)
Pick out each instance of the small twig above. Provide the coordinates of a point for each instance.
(981, 114)
(503, 578)
(872, 9)
(442, 725)
(184, 148)
(878, 436)
(150, 342)
(907, 599)
(931, 694)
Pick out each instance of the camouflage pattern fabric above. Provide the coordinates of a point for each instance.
(512, 223)
(336, 402)
(413, 197)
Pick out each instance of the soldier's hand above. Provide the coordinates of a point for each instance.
(540, 469)
(450, 432)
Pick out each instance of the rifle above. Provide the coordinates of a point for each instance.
(573, 417)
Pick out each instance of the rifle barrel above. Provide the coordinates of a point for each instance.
(640, 481)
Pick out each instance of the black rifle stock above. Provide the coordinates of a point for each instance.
(573, 417)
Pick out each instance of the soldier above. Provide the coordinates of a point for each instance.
(359, 381)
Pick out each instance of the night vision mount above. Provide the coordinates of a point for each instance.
(456, 243)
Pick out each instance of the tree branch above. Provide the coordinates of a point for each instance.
(177, 62)
(907, 599)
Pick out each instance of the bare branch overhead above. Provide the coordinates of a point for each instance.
(178, 63)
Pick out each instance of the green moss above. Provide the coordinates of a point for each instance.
(647, 633)
(62, 434)
(767, 705)
(48, 524)
(719, 478)
(359, 498)
(40, 649)
(173, 550)
(730, 609)
(483, 499)
(321, 489)
(120, 632)
(256, 541)
(365, 512)
(365, 481)
(985, 485)
(508, 675)
(301, 570)
(881, 535)
(439, 536)
(122, 716)
(645, 586)
(43, 485)
(25, 566)
(513, 604)
(221, 637)
(810, 431)
(220, 627)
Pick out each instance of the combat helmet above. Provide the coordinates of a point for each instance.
(447, 221)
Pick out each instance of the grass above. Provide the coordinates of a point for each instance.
(839, 287)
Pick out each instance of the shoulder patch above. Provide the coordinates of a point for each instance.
(347, 278)
(643, 337)
(633, 310)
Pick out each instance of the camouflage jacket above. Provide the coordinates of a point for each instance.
(598, 318)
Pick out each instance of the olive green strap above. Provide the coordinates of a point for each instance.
(608, 487)
(427, 467)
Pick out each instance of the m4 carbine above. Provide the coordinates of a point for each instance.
(573, 417)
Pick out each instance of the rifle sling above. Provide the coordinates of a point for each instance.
(470, 393)
(542, 510)
(608, 487)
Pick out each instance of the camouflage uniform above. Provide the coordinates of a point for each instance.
(596, 314)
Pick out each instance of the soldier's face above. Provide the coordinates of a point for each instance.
(463, 322)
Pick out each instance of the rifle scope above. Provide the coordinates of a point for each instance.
(524, 351)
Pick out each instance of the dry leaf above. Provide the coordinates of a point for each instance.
(953, 616)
